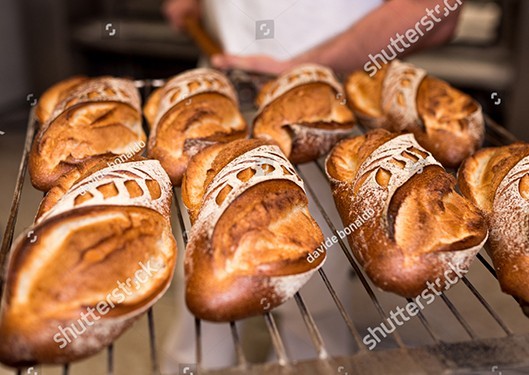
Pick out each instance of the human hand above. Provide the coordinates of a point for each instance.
(177, 11)
(253, 63)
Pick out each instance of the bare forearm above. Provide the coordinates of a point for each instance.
(350, 50)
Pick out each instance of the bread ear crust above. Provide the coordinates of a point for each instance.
(252, 233)
(413, 225)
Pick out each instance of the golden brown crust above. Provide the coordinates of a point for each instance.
(84, 243)
(419, 223)
(481, 174)
(84, 118)
(304, 112)
(191, 112)
(80, 171)
(445, 121)
(364, 97)
(84, 268)
(150, 109)
(54, 95)
(497, 180)
(257, 250)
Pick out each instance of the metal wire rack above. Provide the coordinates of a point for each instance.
(432, 356)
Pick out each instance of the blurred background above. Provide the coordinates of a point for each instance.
(44, 41)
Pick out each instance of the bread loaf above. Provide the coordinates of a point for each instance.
(402, 97)
(100, 253)
(189, 113)
(304, 112)
(251, 231)
(497, 181)
(82, 118)
(421, 230)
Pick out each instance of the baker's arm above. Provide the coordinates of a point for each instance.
(405, 25)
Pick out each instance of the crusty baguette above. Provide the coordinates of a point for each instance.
(82, 118)
(304, 112)
(190, 112)
(420, 227)
(251, 233)
(100, 232)
(497, 181)
(402, 97)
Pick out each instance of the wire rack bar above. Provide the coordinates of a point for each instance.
(343, 313)
(15, 203)
(180, 217)
(198, 342)
(241, 359)
(277, 342)
(152, 341)
(487, 265)
(110, 359)
(198, 326)
(493, 128)
(485, 304)
(458, 316)
(426, 325)
(312, 328)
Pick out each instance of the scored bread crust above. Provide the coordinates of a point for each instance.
(304, 112)
(419, 225)
(79, 172)
(190, 112)
(54, 95)
(251, 234)
(402, 97)
(73, 257)
(497, 181)
(82, 118)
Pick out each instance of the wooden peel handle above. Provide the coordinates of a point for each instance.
(196, 31)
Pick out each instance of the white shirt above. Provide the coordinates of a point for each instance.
(244, 27)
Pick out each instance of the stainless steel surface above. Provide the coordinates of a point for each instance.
(434, 354)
